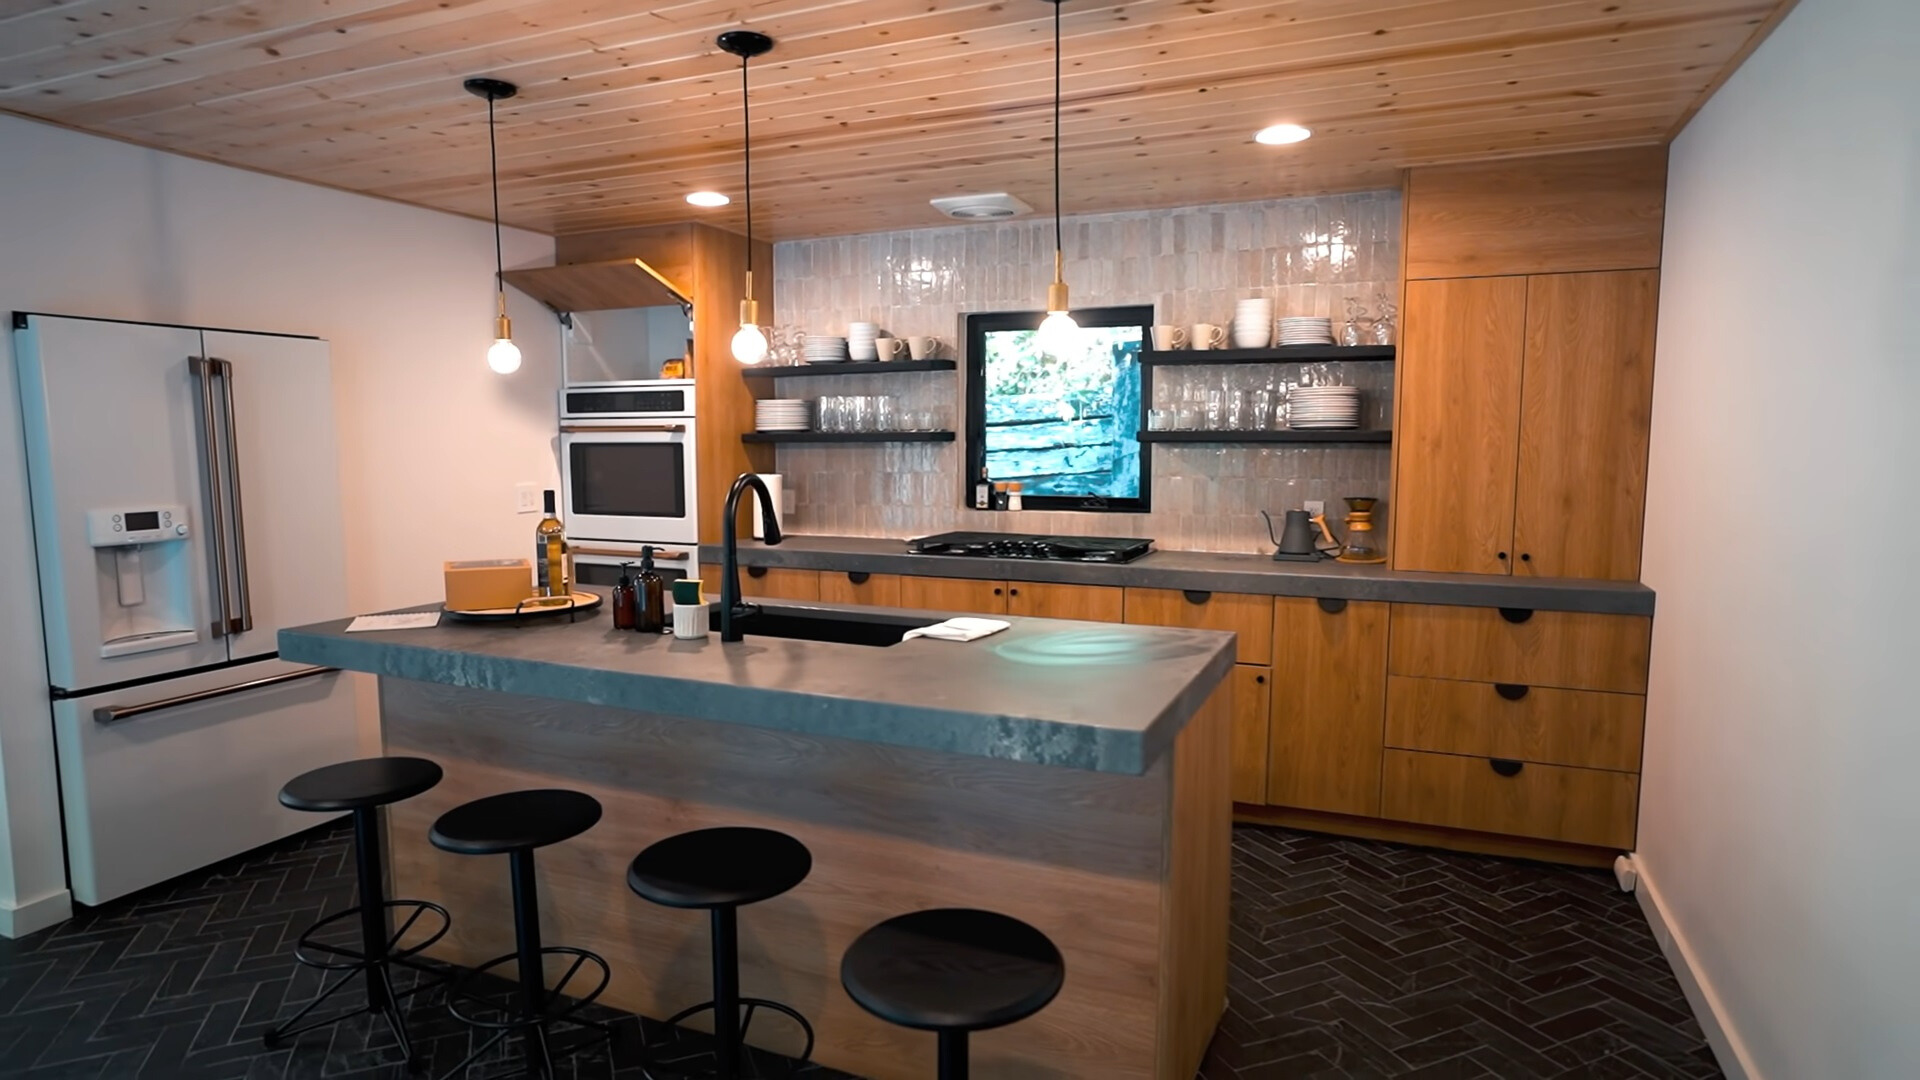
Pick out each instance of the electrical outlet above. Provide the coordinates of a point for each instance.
(526, 498)
(1314, 507)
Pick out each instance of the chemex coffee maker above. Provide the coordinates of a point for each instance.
(1306, 538)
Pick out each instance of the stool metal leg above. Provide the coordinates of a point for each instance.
(953, 1055)
(726, 991)
(526, 937)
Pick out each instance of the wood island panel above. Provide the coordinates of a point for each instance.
(1128, 875)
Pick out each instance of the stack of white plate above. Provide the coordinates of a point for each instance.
(1252, 324)
(822, 349)
(1306, 330)
(860, 338)
(780, 414)
(1324, 407)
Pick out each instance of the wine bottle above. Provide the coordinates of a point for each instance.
(550, 553)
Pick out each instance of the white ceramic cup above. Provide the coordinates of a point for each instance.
(890, 348)
(860, 340)
(922, 348)
(1252, 335)
(690, 621)
(1168, 338)
(1208, 336)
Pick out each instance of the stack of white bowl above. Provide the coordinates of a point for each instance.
(1313, 407)
(860, 339)
(825, 349)
(1252, 324)
(780, 414)
(1306, 330)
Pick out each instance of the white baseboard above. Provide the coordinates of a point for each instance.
(24, 919)
(1728, 1048)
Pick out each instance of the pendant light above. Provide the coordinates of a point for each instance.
(503, 355)
(750, 342)
(1058, 332)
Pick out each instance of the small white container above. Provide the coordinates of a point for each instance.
(690, 621)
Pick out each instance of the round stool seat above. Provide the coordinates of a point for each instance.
(952, 969)
(725, 867)
(357, 785)
(515, 821)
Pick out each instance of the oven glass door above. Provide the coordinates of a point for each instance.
(632, 487)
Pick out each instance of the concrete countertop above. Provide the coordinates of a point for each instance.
(1097, 696)
(1209, 572)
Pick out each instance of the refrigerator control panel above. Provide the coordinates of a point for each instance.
(137, 525)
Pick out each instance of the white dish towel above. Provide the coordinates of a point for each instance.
(961, 629)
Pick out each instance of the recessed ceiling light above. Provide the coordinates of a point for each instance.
(1282, 134)
(707, 198)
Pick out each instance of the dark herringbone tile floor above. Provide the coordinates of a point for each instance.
(1349, 959)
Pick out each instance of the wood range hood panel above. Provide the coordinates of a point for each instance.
(598, 286)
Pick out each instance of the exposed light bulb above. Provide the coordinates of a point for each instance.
(749, 344)
(708, 198)
(1282, 135)
(503, 356)
(1059, 335)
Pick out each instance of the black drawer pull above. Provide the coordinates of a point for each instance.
(1505, 766)
(1332, 605)
(858, 577)
(756, 571)
(1510, 691)
(1196, 596)
(1502, 556)
(1260, 679)
(996, 592)
(1013, 592)
(1516, 615)
(1525, 557)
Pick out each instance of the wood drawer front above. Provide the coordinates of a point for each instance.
(769, 583)
(1572, 650)
(961, 596)
(1251, 617)
(1584, 728)
(853, 587)
(1040, 600)
(1548, 802)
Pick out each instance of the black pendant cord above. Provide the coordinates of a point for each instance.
(499, 260)
(1058, 245)
(746, 140)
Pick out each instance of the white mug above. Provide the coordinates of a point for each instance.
(890, 348)
(1168, 338)
(922, 348)
(690, 621)
(1208, 336)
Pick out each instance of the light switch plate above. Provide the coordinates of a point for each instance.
(1314, 507)
(526, 498)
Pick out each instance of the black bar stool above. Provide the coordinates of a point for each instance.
(514, 824)
(363, 787)
(952, 971)
(721, 870)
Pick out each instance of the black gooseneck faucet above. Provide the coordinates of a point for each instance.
(730, 606)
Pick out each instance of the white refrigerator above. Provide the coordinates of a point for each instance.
(186, 506)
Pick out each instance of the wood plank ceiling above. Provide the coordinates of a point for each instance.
(866, 108)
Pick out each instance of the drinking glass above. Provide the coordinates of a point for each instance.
(1187, 417)
(1237, 411)
(1216, 405)
(883, 415)
(860, 413)
(1260, 405)
(1159, 419)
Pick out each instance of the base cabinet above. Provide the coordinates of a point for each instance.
(1329, 704)
(766, 583)
(1252, 693)
(1497, 795)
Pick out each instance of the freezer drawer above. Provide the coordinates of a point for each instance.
(151, 788)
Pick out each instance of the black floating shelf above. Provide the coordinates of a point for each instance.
(1287, 354)
(850, 367)
(1288, 436)
(845, 436)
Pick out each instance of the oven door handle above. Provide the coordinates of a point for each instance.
(591, 429)
(658, 555)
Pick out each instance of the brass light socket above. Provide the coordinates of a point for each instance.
(749, 312)
(1057, 297)
(502, 327)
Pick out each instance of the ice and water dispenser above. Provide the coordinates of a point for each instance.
(145, 578)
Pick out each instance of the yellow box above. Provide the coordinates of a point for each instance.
(478, 584)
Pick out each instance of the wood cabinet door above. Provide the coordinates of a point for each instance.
(1039, 600)
(1329, 705)
(1250, 618)
(855, 587)
(958, 596)
(1458, 432)
(1252, 702)
(765, 583)
(1586, 405)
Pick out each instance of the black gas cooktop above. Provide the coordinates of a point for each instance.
(1100, 549)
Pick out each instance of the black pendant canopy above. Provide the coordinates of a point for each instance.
(745, 44)
(491, 89)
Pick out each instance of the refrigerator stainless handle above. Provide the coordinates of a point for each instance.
(128, 712)
(203, 372)
(239, 516)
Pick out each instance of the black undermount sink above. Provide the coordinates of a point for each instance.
(821, 624)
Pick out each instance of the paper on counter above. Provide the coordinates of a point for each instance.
(406, 620)
(960, 629)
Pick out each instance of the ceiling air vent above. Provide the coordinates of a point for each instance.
(995, 207)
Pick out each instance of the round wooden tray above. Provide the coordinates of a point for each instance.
(536, 607)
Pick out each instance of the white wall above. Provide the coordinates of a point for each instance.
(432, 442)
(1780, 818)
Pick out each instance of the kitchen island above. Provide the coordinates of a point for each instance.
(1073, 775)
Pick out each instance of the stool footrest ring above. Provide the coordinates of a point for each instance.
(511, 1006)
(654, 1071)
(314, 953)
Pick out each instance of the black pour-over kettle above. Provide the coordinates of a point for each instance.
(1296, 540)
